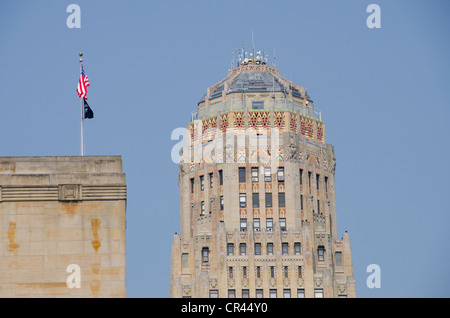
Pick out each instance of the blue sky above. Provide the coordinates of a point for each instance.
(384, 96)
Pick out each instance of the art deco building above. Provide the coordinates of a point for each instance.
(257, 195)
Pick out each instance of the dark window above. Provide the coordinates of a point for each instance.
(257, 248)
(255, 199)
(202, 208)
(297, 248)
(230, 272)
(211, 180)
(280, 174)
(272, 272)
(258, 271)
(301, 176)
(220, 177)
(269, 248)
(221, 203)
(202, 183)
(321, 253)
(299, 272)
(257, 104)
(309, 179)
(242, 249)
(285, 249)
(317, 181)
(326, 184)
(241, 174)
(286, 272)
(301, 201)
(192, 185)
(244, 271)
(318, 206)
(205, 255)
(230, 249)
(281, 200)
(268, 199)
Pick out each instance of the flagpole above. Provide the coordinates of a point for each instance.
(82, 117)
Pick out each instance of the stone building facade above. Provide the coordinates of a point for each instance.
(257, 195)
(62, 227)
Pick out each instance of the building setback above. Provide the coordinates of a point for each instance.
(62, 227)
(257, 195)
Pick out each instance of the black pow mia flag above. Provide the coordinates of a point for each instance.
(88, 113)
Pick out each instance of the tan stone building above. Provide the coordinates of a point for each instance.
(257, 195)
(62, 227)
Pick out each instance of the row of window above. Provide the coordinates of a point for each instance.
(269, 249)
(255, 177)
(257, 224)
(268, 200)
(272, 272)
(259, 293)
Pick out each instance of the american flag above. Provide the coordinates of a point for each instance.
(83, 83)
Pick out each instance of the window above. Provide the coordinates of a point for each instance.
(202, 208)
(257, 248)
(286, 293)
(269, 248)
(242, 249)
(318, 293)
(213, 293)
(256, 225)
(317, 181)
(282, 224)
(284, 248)
(257, 104)
(338, 257)
(243, 225)
(258, 271)
(299, 272)
(192, 185)
(221, 203)
(321, 253)
(267, 174)
(272, 272)
(273, 293)
(286, 271)
(326, 184)
(230, 249)
(301, 201)
(230, 272)
(268, 200)
(241, 174)
(309, 179)
(211, 180)
(269, 224)
(342, 296)
(297, 248)
(245, 293)
(255, 174)
(255, 200)
(185, 260)
(300, 293)
(242, 200)
(231, 293)
(205, 255)
(281, 200)
(301, 176)
(259, 293)
(202, 183)
(244, 271)
(318, 206)
(280, 174)
(220, 177)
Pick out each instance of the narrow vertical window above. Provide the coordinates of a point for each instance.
(317, 181)
(318, 206)
(230, 249)
(255, 200)
(269, 224)
(202, 212)
(297, 248)
(243, 225)
(309, 179)
(256, 225)
(244, 271)
(282, 224)
(301, 176)
(286, 271)
(321, 253)
(281, 200)
(210, 180)
(242, 200)
(242, 249)
(272, 271)
(269, 248)
(301, 201)
(258, 271)
(268, 199)
(241, 174)
(280, 174)
(220, 177)
(192, 185)
(230, 272)
(300, 272)
(338, 257)
(267, 174)
(257, 248)
(185, 260)
(202, 183)
(221, 203)
(255, 174)
(205, 255)
(285, 249)
(326, 184)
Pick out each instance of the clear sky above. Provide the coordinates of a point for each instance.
(384, 95)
